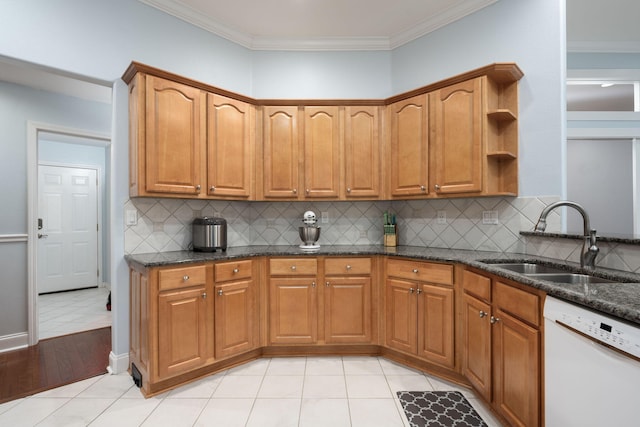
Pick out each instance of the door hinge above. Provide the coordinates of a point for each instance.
(97, 227)
(98, 272)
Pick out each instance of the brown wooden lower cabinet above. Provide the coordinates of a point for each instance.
(190, 320)
(501, 346)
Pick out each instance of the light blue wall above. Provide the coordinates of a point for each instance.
(99, 39)
(19, 104)
(528, 33)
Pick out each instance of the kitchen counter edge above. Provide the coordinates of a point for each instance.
(621, 300)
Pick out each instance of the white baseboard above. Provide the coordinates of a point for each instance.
(14, 342)
(118, 363)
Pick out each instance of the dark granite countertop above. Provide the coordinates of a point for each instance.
(627, 239)
(621, 300)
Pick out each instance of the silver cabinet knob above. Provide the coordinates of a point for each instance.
(220, 292)
(494, 320)
(313, 284)
(212, 188)
(411, 290)
(327, 284)
(294, 191)
(185, 278)
(293, 268)
(415, 270)
(423, 188)
(348, 189)
(198, 187)
(204, 295)
(235, 270)
(437, 187)
(307, 191)
(348, 267)
(483, 314)
(419, 291)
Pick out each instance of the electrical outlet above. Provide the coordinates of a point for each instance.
(324, 217)
(442, 217)
(131, 217)
(490, 217)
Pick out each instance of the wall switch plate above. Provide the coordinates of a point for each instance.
(490, 217)
(442, 217)
(131, 217)
(324, 217)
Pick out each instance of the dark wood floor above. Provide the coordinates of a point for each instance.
(54, 362)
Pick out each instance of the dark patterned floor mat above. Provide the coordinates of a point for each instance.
(439, 409)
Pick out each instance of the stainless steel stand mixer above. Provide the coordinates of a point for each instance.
(309, 233)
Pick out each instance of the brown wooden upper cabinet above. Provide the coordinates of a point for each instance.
(409, 135)
(280, 147)
(456, 135)
(362, 172)
(454, 138)
(230, 147)
(167, 138)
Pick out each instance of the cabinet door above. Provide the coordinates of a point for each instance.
(322, 152)
(401, 314)
(175, 137)
(280, 152)
(409, 147)
(362, 152)
(347, 305)
(517, 371)
(457, 137)
(293, 314)
(229, 147)
(476, 344)
(234, 318)
(182, 330)
(435, 324)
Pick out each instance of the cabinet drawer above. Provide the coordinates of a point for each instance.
(182, 277)
(517, 302)
(477, 285)
(347, 266)
(293, 266)
(423, 271)
(232, 270)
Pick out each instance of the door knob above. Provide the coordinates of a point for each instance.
(42, 236)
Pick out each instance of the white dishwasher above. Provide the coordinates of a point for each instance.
(587, 382)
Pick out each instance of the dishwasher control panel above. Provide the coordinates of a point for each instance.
(601, 328)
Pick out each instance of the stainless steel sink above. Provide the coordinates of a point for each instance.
(570, 278)
(528, 268)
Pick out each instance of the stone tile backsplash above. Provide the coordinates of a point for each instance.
(165, 225)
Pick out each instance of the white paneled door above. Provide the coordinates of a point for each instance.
(68, 239)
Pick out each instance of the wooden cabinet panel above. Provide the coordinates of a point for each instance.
(180, 277)
(362, 152)
(521, 304)
(230, 141)
(233, 270)
(409, 128)
(280, 152)
(182, 331)
(322, 152)
(293, 314)
(423, 271)
(477, 285)
(476, 345)
(347, 266)
(175, 137)
(517, 371)
(457, 137)
(347, 310)
(401, 315)
(435, 324)
(235, 322)
(293, 266)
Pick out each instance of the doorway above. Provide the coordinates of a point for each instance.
(68, 217)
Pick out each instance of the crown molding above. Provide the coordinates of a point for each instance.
(189, 15)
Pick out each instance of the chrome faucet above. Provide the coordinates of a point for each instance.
(589, 250)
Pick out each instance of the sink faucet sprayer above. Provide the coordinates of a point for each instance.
(588, 256)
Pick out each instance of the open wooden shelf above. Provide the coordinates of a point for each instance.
(502, 155)
(501, 115)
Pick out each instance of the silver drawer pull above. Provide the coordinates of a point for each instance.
(494, 320)
(327, 284)
(185, 278)
(212, 188)
(293, 268)
(411, 290)
(235, 270)
(220, 292)
(204, 295)
(313, 284)
(415, 270)
(348, 267)
(483, 314)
